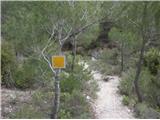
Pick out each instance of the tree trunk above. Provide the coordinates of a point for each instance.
(56, 102)
(74, 53)
(138, 72)
(122, 57)
(139, 65)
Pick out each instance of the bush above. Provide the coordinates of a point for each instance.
(63, 114)
(74, 84)
(126, 83)
(107, 63)
(104, 68)
(75, 105)
(110, 56)
(149, 86)
(76, 79)
(25, 74)
(152, 60)
(28, 112)
(38, 107)
(8, 64)
(21, 74)
(145, 112)
(125, 100)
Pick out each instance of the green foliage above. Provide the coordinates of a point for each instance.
(152, 60)
(107, 63)
(127, 37)
(105, 68)
(91, 37)
(149, 87)
(73, 85)
(25, 28)
(63, 114)
(110, 56)
(27, 112)
(140, 108)
(144, 112)
(38, 107)
(25, 74)
(69, 83)
(75, 80)
(125, 100)
(75, 104)
(7, 61)
(126, 84)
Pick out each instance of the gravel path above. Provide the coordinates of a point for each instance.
(109, 103)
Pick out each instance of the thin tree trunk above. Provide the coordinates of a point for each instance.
(74, 53)
(138, 72)
(139, 65)
(56, 101)
(122, 57)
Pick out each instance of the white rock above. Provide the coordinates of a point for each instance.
(88, 97)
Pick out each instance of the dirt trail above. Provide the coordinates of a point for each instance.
(109, 103)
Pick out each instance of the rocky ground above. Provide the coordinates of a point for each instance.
(11, 99)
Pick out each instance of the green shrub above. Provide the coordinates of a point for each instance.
(126, 83)
(69, 83)
(75, 105)
(148, 84)
(28, 112)
(104, 68)
(7, 64)
(145, 112)
(150, 87)
(73, 86)
(42, 98)
(110, 56)
(25, 74)
(63, 114)
(107, 63)
(125, 100)
(152, 60)
(38, 107)
(139, 109)
(75, 80)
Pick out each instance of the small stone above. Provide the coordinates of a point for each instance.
(88, 98)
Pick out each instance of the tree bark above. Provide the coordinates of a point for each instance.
(74, 52)
(139, 65)
(122, 57)
(56, 102)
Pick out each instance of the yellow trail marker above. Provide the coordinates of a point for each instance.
(58, 62)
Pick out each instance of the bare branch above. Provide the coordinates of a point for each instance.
(48, 31)
(47, 45)
(64, 39)
(46, 59)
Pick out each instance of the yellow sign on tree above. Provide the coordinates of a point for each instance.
(58, 61)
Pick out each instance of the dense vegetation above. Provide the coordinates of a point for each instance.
(124, 37)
